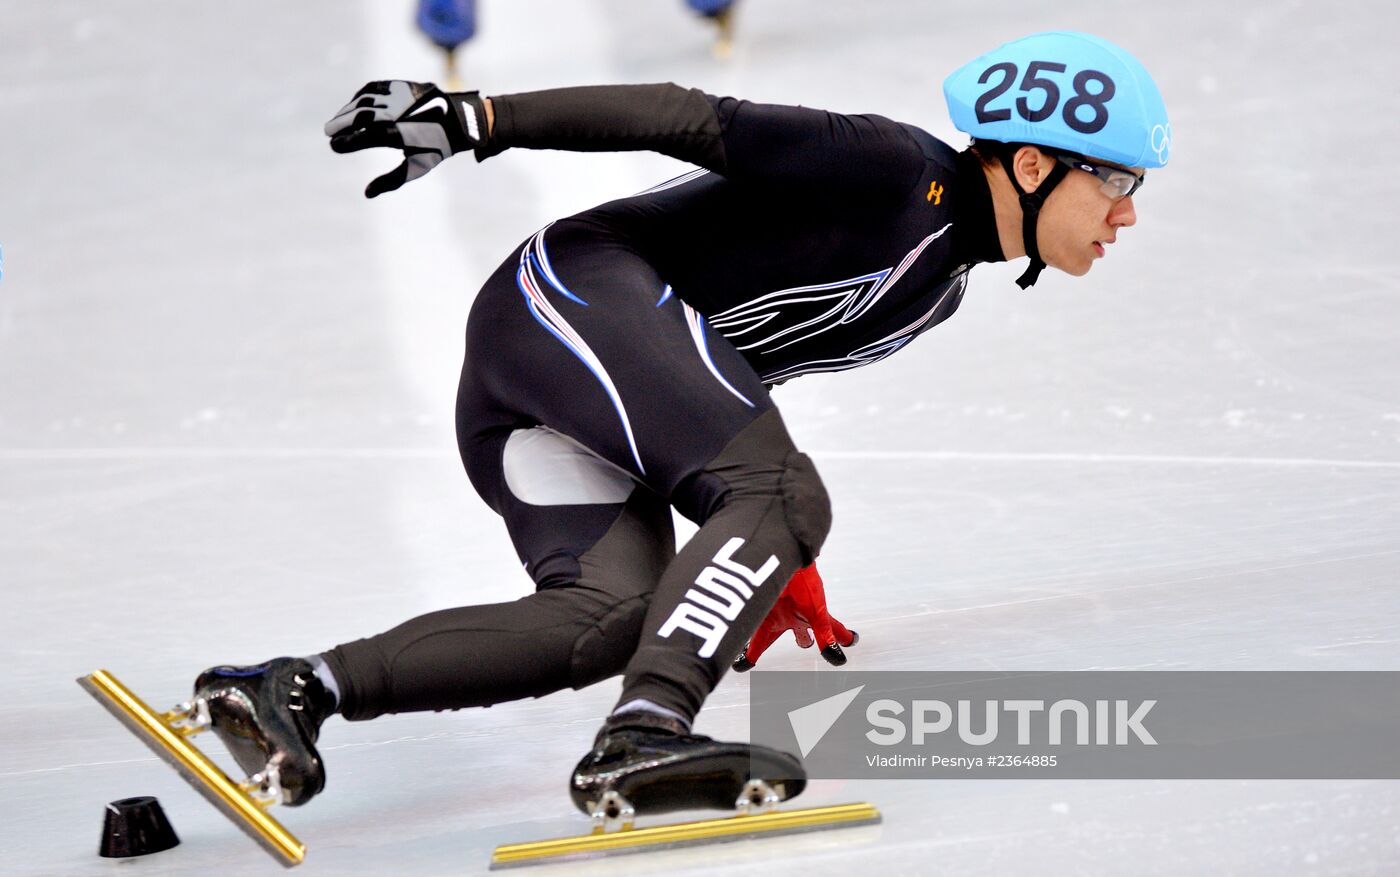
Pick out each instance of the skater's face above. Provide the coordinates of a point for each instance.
(1080, 219)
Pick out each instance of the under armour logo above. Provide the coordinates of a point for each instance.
(935, 193)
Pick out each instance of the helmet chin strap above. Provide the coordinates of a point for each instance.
(1031, 202)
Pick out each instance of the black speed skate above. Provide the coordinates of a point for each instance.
(269, 717)
(646, 763)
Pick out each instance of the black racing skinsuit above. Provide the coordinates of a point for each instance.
(626, 351)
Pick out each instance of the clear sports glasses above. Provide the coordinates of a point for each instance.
(1114, 182)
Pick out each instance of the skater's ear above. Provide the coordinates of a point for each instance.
(1031, 167)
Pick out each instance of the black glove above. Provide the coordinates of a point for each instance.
(427, 123)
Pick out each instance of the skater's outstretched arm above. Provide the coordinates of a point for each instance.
(758, 143)
(764, 143)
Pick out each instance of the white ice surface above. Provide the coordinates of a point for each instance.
(226, 386)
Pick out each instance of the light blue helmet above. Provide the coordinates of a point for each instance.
(1064, 90)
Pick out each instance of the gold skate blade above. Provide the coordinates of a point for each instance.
(194, 766)
(636, 840)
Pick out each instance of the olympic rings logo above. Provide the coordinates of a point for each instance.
(1162, 142)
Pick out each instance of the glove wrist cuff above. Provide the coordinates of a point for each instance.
(471, 120)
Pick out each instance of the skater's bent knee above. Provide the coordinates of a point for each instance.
(806, 504)
(790, 480)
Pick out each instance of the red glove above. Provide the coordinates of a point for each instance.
(802, 605)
